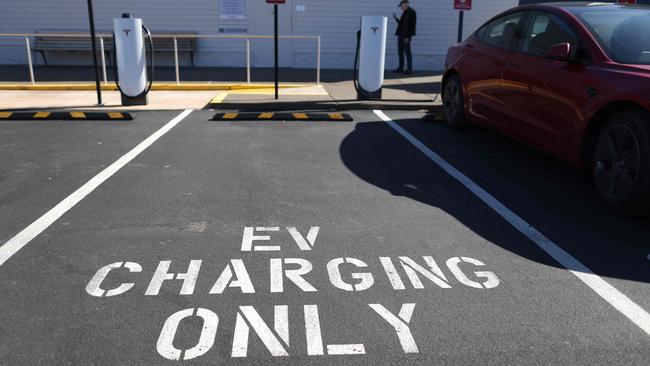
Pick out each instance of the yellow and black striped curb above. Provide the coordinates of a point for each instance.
(273, 116)
(65, 116)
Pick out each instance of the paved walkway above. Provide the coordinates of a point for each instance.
(336, 91)
(419, 92)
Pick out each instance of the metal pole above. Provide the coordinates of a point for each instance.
(178, 76)
(461, 15)
(248, 60)
(101, 45)
(29, 61)
(275, 8)
(318, 62)
(93, 40)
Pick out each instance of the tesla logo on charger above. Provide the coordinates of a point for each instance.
(374, 29)
(126, 32)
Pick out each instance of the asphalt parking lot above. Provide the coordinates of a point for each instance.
(260, 242)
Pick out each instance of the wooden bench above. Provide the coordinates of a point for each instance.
(69, 44)
(43, 44)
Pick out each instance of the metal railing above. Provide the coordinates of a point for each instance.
(175, 37)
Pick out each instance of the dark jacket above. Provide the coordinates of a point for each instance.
(406, 24)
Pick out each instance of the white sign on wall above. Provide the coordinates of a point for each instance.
(233, 9)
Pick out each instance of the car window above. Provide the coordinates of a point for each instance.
(545, 31)
(481, 32)
(624, 33)
(502, 32)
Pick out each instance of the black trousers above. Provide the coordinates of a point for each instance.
(404, 48)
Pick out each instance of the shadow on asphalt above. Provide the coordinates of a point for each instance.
(553, 197)
(417, 88)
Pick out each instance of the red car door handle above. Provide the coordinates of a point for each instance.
(513, 64)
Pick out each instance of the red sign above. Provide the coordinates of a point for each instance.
(626, 1)
(276, 1)
(463, 4)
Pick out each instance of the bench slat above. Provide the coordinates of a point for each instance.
(81, 43)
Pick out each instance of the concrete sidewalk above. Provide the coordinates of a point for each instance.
(336, 91)
(401, 92)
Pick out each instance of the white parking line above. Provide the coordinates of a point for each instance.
(618, 300)
(11, 247)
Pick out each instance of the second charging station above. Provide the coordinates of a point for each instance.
(370, 59)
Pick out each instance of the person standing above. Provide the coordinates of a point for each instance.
(405, 31)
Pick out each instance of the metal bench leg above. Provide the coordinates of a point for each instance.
(192, 58)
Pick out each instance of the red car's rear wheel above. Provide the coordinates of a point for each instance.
(453, 101)
(622, 161)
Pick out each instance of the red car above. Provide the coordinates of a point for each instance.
(571, 79)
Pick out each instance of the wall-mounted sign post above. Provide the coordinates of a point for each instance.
(275, 47)
(461, 15)
(275, 40)
(461, 5)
